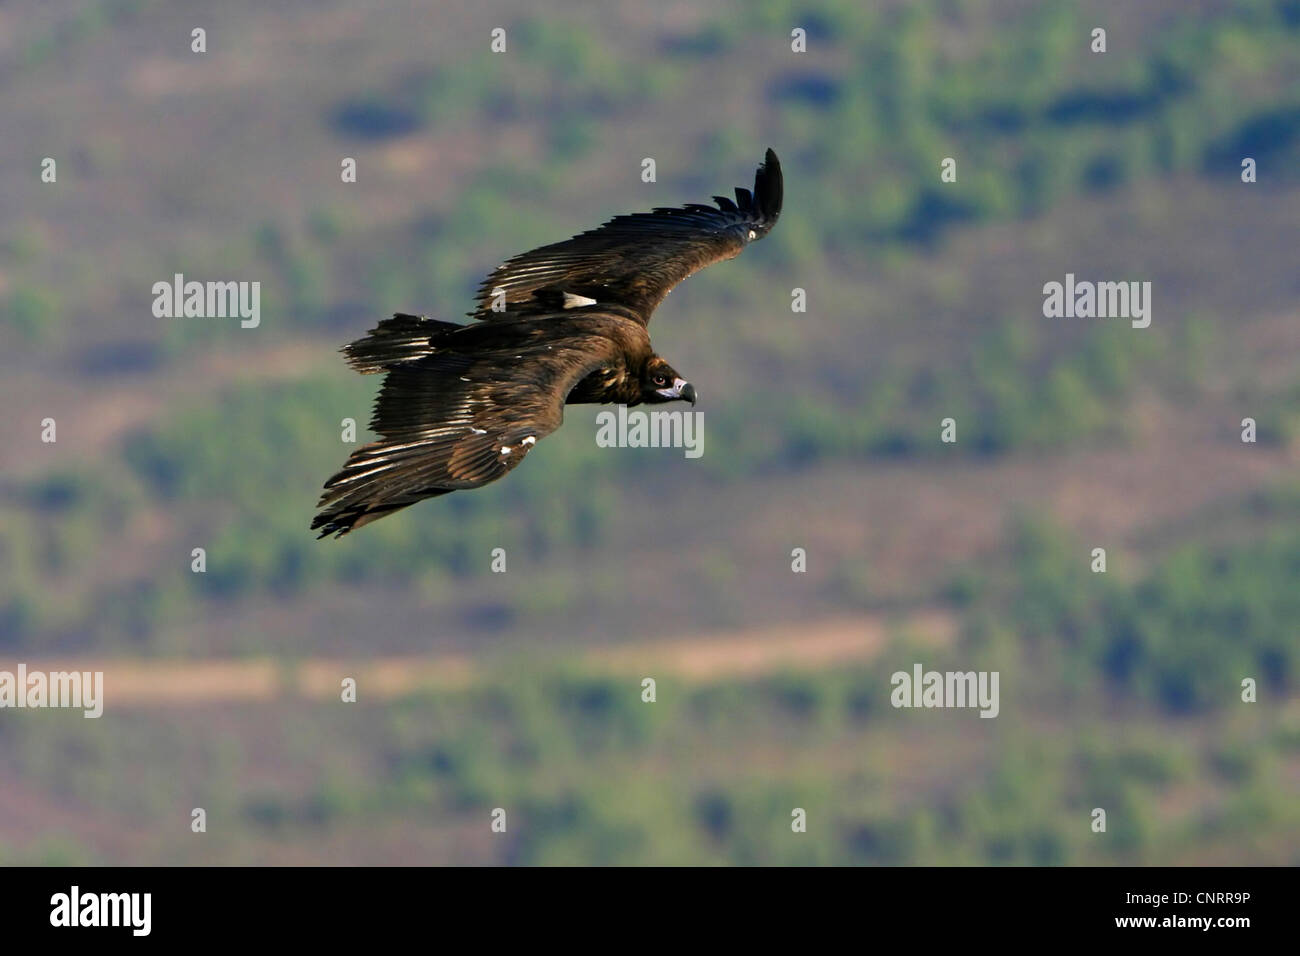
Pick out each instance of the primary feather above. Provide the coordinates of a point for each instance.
(635, 260)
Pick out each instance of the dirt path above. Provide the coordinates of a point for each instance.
(703, 658)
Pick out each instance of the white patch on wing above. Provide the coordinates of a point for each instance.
(505, 449)
(752, 234)
(530, 440)
(478, 431)
(572, 301)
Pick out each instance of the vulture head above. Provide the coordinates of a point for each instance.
(660, 382)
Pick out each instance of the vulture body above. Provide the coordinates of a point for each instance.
(566, 323)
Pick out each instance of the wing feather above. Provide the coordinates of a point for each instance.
(460, 417)
(634, 260)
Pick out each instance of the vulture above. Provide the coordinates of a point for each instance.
(567, 323)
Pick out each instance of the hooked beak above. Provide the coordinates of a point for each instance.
(681, 389)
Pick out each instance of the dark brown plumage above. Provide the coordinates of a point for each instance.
(566, 323)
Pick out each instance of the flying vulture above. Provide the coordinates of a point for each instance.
(461, 405)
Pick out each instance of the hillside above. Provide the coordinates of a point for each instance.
(822, 432)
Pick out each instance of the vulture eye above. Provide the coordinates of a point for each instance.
(660, 380)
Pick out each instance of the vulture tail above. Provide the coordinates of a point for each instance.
(403, 338)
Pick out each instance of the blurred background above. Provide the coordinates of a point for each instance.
(522, 690)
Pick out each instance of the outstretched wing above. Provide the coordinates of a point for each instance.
(460, 417)
(634, 260)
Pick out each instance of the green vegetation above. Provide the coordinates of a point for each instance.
(34, 314)
(577, 762)
(1181, 636)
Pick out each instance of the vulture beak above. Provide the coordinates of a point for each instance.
(681, 389)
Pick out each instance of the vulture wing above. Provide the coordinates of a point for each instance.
(633, 260)
(457, 410)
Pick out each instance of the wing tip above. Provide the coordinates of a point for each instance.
(769, 187)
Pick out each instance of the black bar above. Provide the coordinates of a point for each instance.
(302, 905)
